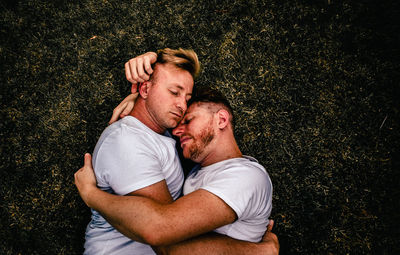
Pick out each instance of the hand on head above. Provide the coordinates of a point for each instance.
(139, 69)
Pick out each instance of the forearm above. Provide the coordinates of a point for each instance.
(213, 243)
(144, 219)
(144, 215)
(122, 212)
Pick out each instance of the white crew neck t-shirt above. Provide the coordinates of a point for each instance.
(129, 156)
(245, 186)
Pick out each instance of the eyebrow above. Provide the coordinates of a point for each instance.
(181, 88)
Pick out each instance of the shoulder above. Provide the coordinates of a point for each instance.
(237, 171)
(245, 171)
(122, 143)
(128, 132)
(245, 165)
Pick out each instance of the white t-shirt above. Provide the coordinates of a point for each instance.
(245, 186)
(130, 156)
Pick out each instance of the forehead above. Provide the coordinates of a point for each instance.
(197, 108)
(168, 73)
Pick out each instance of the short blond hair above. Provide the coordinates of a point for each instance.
(183, 59)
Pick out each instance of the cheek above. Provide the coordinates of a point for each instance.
(161, 101)
(165, 99)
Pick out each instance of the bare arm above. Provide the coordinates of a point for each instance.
(157, 230)
(157, 192)
(157, 224)
(213, 243)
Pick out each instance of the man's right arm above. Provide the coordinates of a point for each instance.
(194, 214)
(213, 243)
(206, 244)
(158, 192)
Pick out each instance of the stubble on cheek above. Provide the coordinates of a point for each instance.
(199, 144)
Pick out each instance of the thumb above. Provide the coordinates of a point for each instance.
(270, 225)
(88, 160)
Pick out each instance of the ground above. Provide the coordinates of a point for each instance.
(314, 85)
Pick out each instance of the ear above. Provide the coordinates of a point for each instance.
(223, 118)
(144, 89)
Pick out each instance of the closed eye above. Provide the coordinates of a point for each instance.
(187, 121)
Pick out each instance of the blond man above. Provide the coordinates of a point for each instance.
(136, 155)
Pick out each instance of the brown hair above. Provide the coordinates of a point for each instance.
(208, 95)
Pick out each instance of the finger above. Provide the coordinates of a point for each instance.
(128, 74)
(152, 56)
(134, 88)
(127, 110)
(147, 66)
(140, 70)
(88, 159)
(129, 104)
(114, 117)
(116, 112)
(133, 66)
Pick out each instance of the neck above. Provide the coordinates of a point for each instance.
(141, 113)
(223, 149)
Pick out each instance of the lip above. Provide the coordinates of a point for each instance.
(184, 140)
(176, 114)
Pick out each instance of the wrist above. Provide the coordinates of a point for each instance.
(88, 193)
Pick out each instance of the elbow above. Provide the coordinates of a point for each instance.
(156, 229)
(154, 239)
(155, 236)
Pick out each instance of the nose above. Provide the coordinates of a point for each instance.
(178, 131)
(181, 104)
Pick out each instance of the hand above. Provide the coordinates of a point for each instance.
(139, 69)
(270, 240)
(85, 179)
(124, 108)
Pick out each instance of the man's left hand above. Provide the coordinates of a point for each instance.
(85, 180)
(270, 241)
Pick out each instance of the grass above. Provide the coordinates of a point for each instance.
(314, 86)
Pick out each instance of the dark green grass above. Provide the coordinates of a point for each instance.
(314, 85)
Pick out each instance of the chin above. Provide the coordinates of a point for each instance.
(186, 155)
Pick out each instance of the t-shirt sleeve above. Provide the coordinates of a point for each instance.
(241, 188)
(127, 164)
